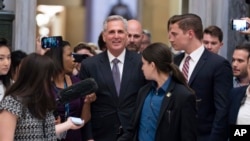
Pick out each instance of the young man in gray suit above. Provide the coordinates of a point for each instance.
(116, 95)
(208, 74)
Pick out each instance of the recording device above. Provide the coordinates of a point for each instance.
(77, 121)
(79, 57)
(239, 25)
(51, 42)
(77, 90)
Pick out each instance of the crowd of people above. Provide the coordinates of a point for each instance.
(145, 91)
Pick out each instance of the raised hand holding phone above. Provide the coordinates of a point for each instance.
(51, 42)
(240, 25)
(248, 23)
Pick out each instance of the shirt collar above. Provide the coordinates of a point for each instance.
(248, 91)
(164, 86)
(121, 57)
(196, 54)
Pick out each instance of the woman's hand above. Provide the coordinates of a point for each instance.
(57, 120)
(248, 25)
(74, 126)
(67, 125)
(90, 98)
(39, 49)
(86, 114)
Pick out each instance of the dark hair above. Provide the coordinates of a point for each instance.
(187, 22)
(101, 43)
(161, 55)
(5, 78)
(214, 31)
(16, 58)
(33, 86)
(245, 46)
(4, 42)
(81, 46)
(56, 54)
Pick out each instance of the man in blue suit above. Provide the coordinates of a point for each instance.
(208, 74)
(112, 111)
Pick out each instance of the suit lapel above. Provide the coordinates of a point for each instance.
(107, 74)
(167, 101)
(198, 66)
(178, 59)
(127, 70)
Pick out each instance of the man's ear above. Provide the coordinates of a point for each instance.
(103, 37)
(221, 44)
(190, 33)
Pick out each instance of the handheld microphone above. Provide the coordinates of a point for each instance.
(79, 89)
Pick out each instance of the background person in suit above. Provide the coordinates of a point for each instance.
(212, 38)
(208, 74)
(240, 64)
(165, 107)
(135, 35)
(111, 112)
(240, 103)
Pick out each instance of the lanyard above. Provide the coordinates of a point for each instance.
(66, 106)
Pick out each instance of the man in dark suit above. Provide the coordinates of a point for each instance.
(237, 99)
(111, 112)
(208, 74)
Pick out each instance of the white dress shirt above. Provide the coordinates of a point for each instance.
(195, 56)
(244, 111)
(121, 58)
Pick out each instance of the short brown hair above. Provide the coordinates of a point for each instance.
(214, 31)
(82, 45)
(187, 22)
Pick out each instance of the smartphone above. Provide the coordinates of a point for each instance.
(239, 25)
(79, 57)
(51, 42)
(77, 121)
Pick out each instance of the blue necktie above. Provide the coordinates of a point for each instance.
(116, 75)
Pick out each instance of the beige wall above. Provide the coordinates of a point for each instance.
(155, 14)
(60, 2)
(69, 23)
(75, 24)
(154, 17)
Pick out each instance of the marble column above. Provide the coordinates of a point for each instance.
(9, 5)
(25, 25)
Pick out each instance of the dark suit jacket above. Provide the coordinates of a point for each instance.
(211, 80)
(177, 118)
(110, 111)
(236, 96)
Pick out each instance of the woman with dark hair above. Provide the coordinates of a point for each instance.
(16, 58)
(26, 111)
(166, 106)
(62, 78)
(5, 62)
